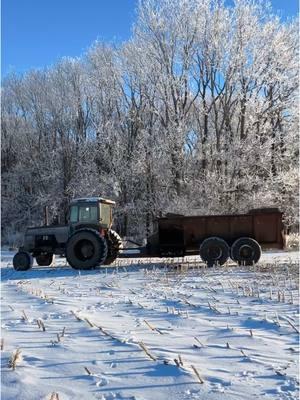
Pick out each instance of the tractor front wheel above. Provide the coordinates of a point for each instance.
(22, 261)
(43, 260)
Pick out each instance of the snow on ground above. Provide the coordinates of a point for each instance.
(151, 331)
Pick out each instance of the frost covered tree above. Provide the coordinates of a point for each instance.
(196, 113)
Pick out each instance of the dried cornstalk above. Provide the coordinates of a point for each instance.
(189, 303)
(24, 316)
(180, 360)
(41, 325)
(201, 344)
(280, 373)
(88, 371)
(109, 334)
(197, 374)
(2, 344)
(76, 316)
(243, 353)
(177, 362)
(89, 322)
(14, 359)
(143, 347)
(293, 326)
(149, 326)
(104, 332)
(153, 328)
(214, 308)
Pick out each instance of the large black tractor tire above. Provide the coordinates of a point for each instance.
(43, 260)
(22, 261)
(214, 251)
(86, 249)
(114, 242)
(245, 251)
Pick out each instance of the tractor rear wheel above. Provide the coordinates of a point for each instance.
(245, 251)
(214, 251)
(115, 244)
(86, 249)
(43, 260)
(22, 261)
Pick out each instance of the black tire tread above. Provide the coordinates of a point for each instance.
(44, 260)
(115, 244)
(215, 241)
(249, 241)
(17, 266)
(101, 254)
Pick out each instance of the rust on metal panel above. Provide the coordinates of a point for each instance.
(218, 226)
(265, 228)
(187, 232)
(241, 225)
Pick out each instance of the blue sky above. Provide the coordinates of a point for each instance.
(37, 33)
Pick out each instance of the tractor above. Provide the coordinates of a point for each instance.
(86, 241)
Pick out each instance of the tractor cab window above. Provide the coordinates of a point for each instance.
(88, 213)
(105, 214)
(74, 214)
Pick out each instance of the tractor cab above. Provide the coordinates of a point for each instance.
(90, 212)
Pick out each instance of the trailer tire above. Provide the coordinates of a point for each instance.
(245, 251)
(43, 260)
(214, 251)
(22, 261)
(114, 243)
(86, 249)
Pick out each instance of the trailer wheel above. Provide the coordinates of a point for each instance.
(114, 242)
(86, 249)
(245, 251)
(214, 251)
(22, 261)
(43, 260)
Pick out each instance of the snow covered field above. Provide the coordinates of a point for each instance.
(151, 331)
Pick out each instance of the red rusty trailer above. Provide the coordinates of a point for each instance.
(217, 237)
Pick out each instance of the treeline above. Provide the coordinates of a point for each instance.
(196, 113)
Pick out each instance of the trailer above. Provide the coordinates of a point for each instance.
(216, 238)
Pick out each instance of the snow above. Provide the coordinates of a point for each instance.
(134, 331)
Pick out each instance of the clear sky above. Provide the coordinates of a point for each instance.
(37, 33)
